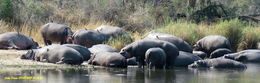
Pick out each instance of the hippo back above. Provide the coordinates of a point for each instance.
(17, 41)
(181, 44)
(185, 58)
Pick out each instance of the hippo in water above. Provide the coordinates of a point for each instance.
(181, 44)
(81, 49)
(185, 58)
(88, 37)
(245, 56)
(220, 52)
(155, 58)
(53, 32)
(102, 48)
(108, 59)
(201, 54)
(55, 54)
(212, 42)
(217, 63)
(138, 48)
(14, 40)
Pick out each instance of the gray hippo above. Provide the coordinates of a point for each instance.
(219, 53)
(201, 54)
(138, 48)
(155, 58)
(102, 48)
(53, 32)
(185, 58)
(132, 61)
(81, 49)
(245, 56)
(55, 54)
(217, 63)
(108, 59)
(181, 44)
(210, 43)
(112, 31)
(88, 37)
(14, 40)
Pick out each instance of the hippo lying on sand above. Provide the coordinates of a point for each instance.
(217, 63)
(88, 37)
(55, 54)
(185, 58)
(53, 32)
(155, 58)
(138, 48)
(181, 44)
(108, 59)
(245, 56)
(14, 40)
(81, 49)
(210, 43)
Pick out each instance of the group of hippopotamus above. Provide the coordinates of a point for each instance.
(155, 50)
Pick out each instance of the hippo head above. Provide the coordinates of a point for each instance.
(126, 51)
(197, 47)
(231, 56)
(197, 64)
(29, 55)
(34, 45)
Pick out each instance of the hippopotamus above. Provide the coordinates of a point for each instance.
(155, 58)
(201, 54)
(108, 59)
(15, 40)
(178, 42)
(217, 63)
(81, 49)
(102, 48)
(132, 61)
(250, 55)
(55, 54)
(212, 42)
(185, 58)
(112, 31)
(220, 52)
(53, 32)
(88, 37)
(138, 48)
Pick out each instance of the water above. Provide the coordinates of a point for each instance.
(131, 75)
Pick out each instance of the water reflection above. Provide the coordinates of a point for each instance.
(133, 75)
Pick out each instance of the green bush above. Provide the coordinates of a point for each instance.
(6, 9)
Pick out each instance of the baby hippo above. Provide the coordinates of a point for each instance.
(217, 63)
(108, 59)
(155, 58)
